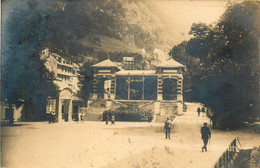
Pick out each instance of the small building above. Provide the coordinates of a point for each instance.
(160, 90)
(66, 104)
(128, 63)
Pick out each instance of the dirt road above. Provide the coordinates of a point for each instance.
(127, 144)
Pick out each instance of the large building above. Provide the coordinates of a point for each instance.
(66, 104)
(159, 90)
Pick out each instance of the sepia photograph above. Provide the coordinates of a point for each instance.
(130, 84)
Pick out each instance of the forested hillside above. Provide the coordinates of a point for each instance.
(223, 64)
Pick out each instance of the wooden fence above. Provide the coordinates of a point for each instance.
(226, 160)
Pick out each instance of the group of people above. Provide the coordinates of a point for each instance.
(213, 118)
(205, 132)
(202, 110)
(112, 119)
(52, 117)
(80, 117)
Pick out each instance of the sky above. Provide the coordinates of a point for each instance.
(178, 16)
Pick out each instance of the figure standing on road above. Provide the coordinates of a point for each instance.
(53, 117)
(112, 120)
(203, 110)
(205, 136)
(198, 110)
(50, 118)
(214, 120)
(167, 128)
(207, 112)
(107, 119)
(82, 117)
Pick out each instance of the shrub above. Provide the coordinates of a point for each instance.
(129, 114)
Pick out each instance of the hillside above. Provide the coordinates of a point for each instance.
(86, 28)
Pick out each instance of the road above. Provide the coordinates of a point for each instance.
(127, 144)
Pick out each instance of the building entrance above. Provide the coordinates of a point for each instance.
(170, 89)
(104, 88)
(65, 109)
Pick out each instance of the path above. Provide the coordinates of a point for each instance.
(127, 144)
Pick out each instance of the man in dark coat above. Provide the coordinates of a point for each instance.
(167, 128)
(198, 110)
(214, 120)
(203, 110)
(50, 117)
(205, 136)
(107, 119)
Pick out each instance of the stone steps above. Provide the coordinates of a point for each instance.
(93, 117)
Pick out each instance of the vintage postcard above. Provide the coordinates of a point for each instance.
(130, 84)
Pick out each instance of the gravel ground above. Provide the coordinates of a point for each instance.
(127, 144)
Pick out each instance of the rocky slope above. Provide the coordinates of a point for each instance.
(99, 28)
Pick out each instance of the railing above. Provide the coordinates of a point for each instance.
(226, 160)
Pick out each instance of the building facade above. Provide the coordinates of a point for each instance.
(160, 90)
(66, 104)
(128, 63)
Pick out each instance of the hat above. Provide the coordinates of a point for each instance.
(205, 123)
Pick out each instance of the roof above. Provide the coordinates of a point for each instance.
(128, 58)
(170, 63)
(76, 98)
(136, 72)
(105, 63)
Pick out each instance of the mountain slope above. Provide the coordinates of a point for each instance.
(90, 27)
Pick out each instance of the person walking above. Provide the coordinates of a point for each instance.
(167, 128)
(198, 110)
(203, 110)
(82, 117)
(214, 120)
(112, 120)
(207, 112)
(50, 117)
(53, 117)
(205, 136)
(107, 119)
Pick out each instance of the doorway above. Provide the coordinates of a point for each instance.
(65, 109)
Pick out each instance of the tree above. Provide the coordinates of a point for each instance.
(86, 80)
(25, 79)
(227, 72)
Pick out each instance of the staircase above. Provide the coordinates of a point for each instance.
(95, 110)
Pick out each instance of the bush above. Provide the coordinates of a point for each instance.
(129, 114)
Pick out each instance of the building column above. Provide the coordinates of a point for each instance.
(143, 89)
(113, 88)
(180, 94)
(179, 88)
(95, 83)
(129, 86)
(59, 102)
(70, 111)
(159, 87)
